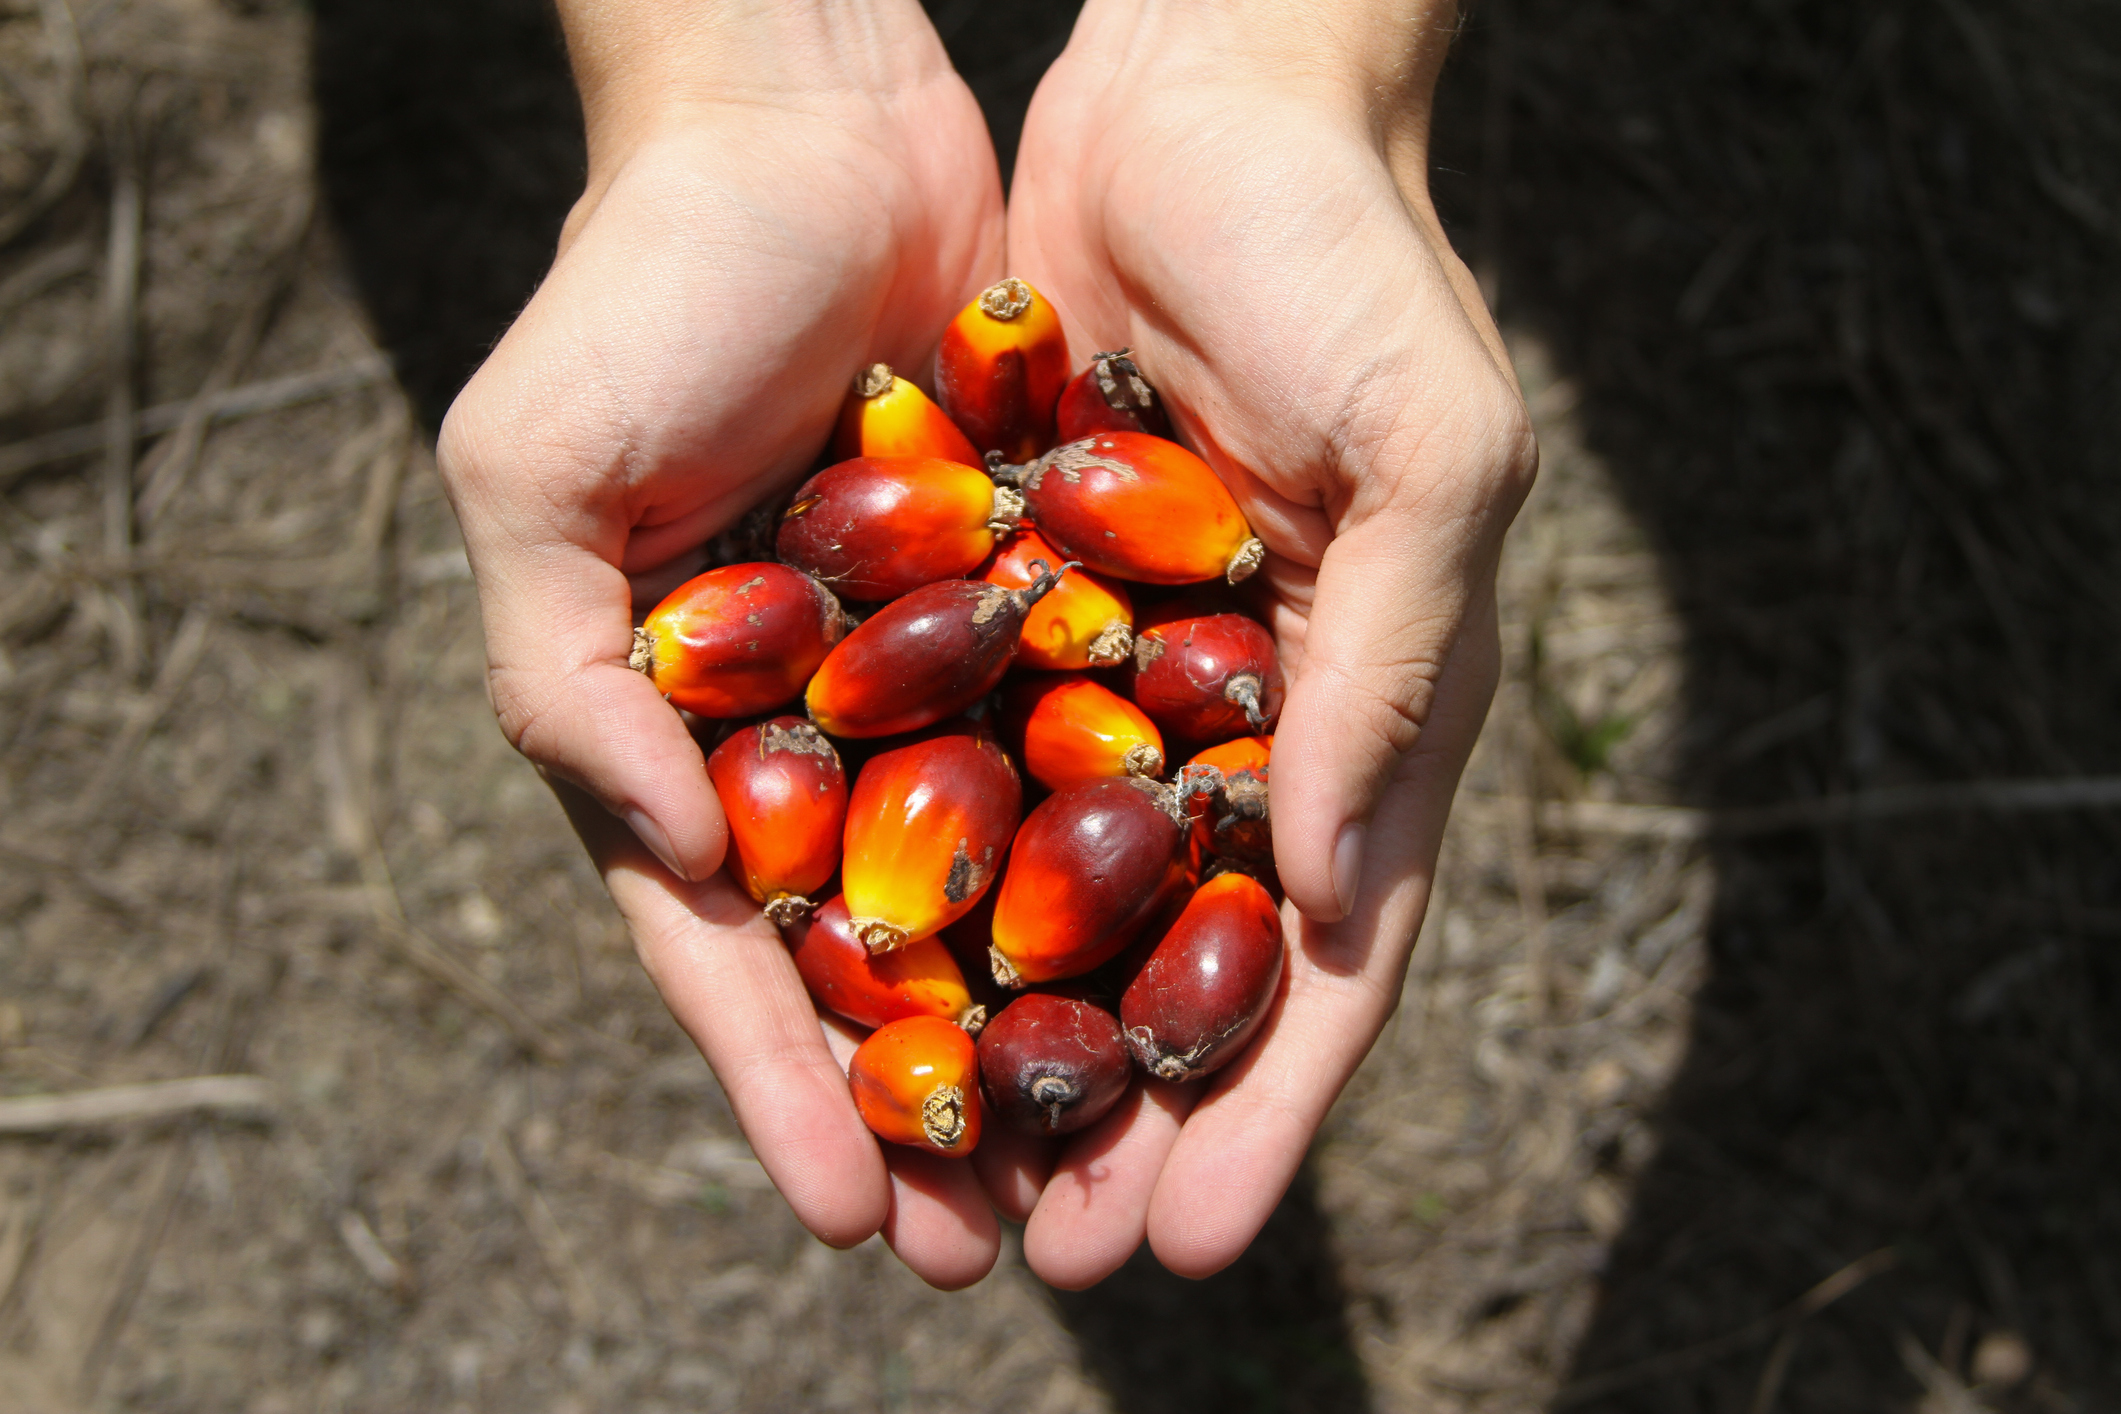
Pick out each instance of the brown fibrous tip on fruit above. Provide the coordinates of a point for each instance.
(1006, 300)
(1142, 759)
(1120, 382)
(783, 910)
(1054, 1094)
(943, 1116)
(973, 1019)
(879, 936)
(1196, 779)
(1245, 561)
(1005, 973)
(642, 658)
(1112, 647)
(1243, 690)
(1008, 511)
(874, 381)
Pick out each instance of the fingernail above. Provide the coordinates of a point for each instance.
(651, 834)
(1347, 865)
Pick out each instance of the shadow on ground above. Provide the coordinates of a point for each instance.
(1841, 288)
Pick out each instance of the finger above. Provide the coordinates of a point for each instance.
(1013, 1168)
(1242, 1144)
(940, 1224)
(1095, 1208)
(727, 979)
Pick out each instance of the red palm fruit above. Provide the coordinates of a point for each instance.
(1201, 995)
(916, 1081)
(919, 979)
(1140, 508)
(738, 640)
(885, 416)
(1052, 1065)
(922, 657)
(1110, 396)
(927, 830)
(1232, 822)
(1205, 677)
(785, 794)
(1001, 368)
(1086, 622)
(1090, 867)
(1075, 729)
(878, 527)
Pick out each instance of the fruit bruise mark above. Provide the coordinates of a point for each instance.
(750, 584)
(1148, 647)
(755, 619)
(965, 877)
(801, 739)
(990, 604)
(1072, 460)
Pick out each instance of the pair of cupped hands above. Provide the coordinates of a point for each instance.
(783, 192)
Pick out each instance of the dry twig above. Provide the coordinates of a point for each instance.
(236, 1096)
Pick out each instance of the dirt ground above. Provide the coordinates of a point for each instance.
(1758, 1052)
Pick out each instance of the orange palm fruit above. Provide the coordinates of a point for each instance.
(922, 657)
(1197, 1001)
(1231, 823)
(1087, 621)
(879, 527)
(885, 416)
(1001, 368)
(843, 976)
(1110, 396)
(738, 640)
(1139, 507)
(785, 795)
(916, 1081)
(928, 827)
(1090, 867)
(1076, 729)
(1205, 676)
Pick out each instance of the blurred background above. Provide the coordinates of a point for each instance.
(1759, 1050)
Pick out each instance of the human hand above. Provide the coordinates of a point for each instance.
(779, 193)
(1239, 192)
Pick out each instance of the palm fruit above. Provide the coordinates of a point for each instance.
(1000, 370)
(1051, 1065)
(885, 416)
(1090, 867)
(922, 657)
(916, 1081)
(1232, 822)
(928, 827)
(1201, 995)
(1074, 729)
(1138, 507)
(785, 795)
(738, 640)
(878, 527)
(1110, 396)
(1205, 676)
(869, 989)
(1087, 621)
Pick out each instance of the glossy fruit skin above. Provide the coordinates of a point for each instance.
(1197, 1002)
(922, 657)
(1110, 396)
(739, 640)
(784, 794)
(874, 528)
(1073, 728)
(928, 827)
(1139, 508)
(870, 989)
(1051, 1065)
(1232, 823)
(1090, 867)
(1000, 369)
(1087, 621)
(916, 1081)
(885, 416)
(1205, 677)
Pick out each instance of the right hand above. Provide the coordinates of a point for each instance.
(776, 197)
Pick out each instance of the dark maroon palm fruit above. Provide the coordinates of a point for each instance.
(1110, 396)
(1201, 995)
(878, 527)
(1205, 677)
(1090, 868)
(1051, 1065)
(923, 657)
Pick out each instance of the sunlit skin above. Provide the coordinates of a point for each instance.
(738, 640)
(1197, 1000)
(916, 1082)
(785, 793)
(896, 420)
(1086, 621)
(1140, 508)
(870, 989)
(875, 528)
(1000, 369)
(1074, 729)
